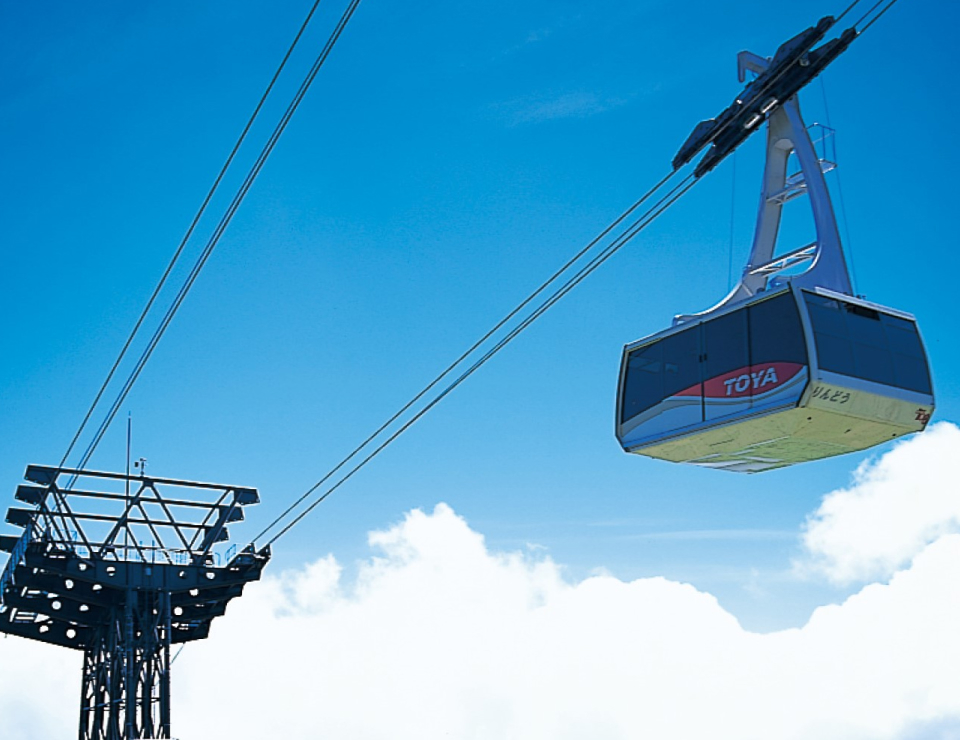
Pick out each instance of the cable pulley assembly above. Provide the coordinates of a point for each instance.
(795, 65)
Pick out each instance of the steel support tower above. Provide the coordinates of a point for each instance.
(122, 567)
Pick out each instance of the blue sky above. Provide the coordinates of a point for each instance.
(447, 159)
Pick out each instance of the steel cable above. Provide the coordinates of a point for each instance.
(218, 232)
(635, 228)
(625, 237)
(186, 237)
(473, 348)
(877, 17)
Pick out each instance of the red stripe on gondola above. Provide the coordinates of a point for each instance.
(753, 380)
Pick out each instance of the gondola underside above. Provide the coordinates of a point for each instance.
(829, 420)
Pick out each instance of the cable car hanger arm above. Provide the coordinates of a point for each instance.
(779, 79)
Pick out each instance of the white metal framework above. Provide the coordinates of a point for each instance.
(827, 268)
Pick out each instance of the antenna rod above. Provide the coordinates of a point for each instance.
(126, 494)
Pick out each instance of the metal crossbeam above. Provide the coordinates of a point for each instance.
(786, 261)
(122, 575)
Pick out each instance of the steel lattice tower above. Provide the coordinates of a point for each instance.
(122, 568)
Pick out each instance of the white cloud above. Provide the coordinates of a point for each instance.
(39, 690)
(896, 506)
(438, 637)
(579, 104)
(699, 535)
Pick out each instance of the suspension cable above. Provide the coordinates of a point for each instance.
(843, 207)
(218, 232)
(618, 243)
(186, 237)
(847, 10)
(473, 348)
(733, 213)
(873, 7)
(629, 233)
(878, 16)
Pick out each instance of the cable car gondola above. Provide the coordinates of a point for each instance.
(787, 368)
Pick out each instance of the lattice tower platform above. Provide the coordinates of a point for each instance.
(122, 567)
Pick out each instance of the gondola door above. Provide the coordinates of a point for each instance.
(725, 366)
